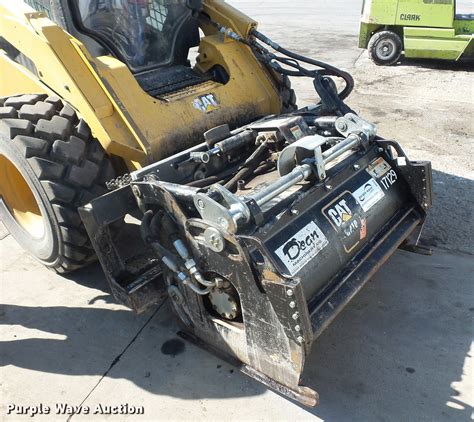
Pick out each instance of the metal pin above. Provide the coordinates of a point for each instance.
(137, 191)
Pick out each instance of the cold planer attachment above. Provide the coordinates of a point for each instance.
(258, 265)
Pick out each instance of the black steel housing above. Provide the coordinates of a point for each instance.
(282, 314)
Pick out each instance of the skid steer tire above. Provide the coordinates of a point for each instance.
(385, 48)
(49, 166)
(288, 95)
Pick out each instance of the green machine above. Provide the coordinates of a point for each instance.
(430, 29)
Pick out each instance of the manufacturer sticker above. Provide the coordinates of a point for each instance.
(206, 103)
(369, 194)
(378, 168)
(340, 213)
(345, 216)
(302, 247)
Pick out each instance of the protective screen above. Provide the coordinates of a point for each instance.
(142, 31)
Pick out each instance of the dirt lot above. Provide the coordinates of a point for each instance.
(402, 350)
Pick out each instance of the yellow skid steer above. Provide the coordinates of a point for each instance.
(163, 138)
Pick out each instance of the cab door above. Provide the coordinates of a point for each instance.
(427, 13)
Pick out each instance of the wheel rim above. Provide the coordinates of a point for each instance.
(386, 49)
(19, 199)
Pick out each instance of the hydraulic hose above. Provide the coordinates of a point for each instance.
(328, 100)
(332, 70)
(147, 234)
(329, 97)
(189, 263)
(150, 219)
(251, 164)
(196, 289)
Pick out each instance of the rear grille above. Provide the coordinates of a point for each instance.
(166, 80)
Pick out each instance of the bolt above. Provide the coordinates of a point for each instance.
(356, 167)
(215, 241)
(222, 221)
(299, 339)
(201, 204)
(295, 212)
(328, 187)
(205, 158)
(182, 277)
(342, 126)
(289, 292)
(137, 192)
(296, 315)
(381, 150)
(297, 328)
(292, 304)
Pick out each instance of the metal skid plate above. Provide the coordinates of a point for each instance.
(304, 395)
(135, 278)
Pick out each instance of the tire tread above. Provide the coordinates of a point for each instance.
(373, 46)
(70, 164)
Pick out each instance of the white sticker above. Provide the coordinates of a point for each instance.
(368, 194)
(302, 247)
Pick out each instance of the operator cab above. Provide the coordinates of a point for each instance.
(153, 38)
(142, 33)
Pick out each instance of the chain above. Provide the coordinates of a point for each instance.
(119, 182)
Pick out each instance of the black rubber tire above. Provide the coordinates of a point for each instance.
(64, 167)
(287, 94)
(393, 44)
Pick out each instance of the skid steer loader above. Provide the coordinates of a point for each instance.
(163, 138)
